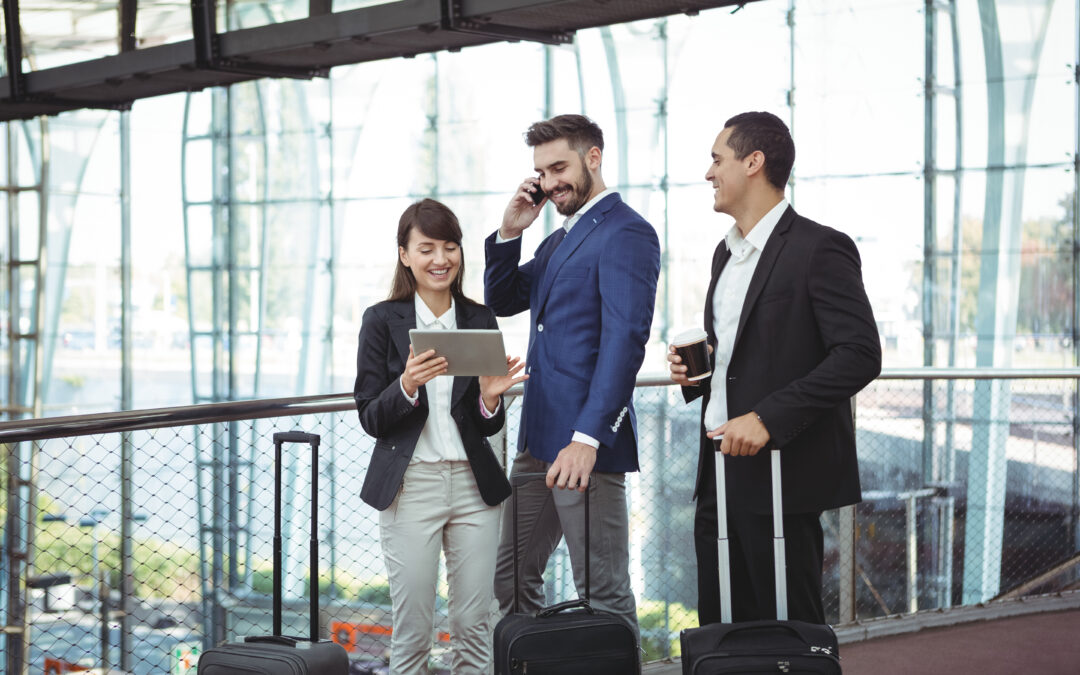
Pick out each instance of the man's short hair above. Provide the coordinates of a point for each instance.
(766, 132)
(580, 132)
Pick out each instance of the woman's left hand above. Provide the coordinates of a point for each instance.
(493, 386)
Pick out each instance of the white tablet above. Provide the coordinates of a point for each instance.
(468, 351)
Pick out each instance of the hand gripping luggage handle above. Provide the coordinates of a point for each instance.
(723, 554)
(516, 481)
(312, 439)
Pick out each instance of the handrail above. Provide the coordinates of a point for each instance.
(135, 420)
(979, 374)
(39, 429)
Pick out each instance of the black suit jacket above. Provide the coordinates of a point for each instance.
(806, 343)
(395, 423)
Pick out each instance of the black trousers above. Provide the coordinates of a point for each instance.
(753, 584)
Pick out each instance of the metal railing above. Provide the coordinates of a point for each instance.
(172, 507)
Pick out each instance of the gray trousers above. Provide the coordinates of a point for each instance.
(544, 516)
(439, 508)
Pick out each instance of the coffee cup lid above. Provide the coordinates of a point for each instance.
(689, 335)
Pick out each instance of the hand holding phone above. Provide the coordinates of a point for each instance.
(539, 194)
(520, 213)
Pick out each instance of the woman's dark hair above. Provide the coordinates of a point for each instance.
(436, 220)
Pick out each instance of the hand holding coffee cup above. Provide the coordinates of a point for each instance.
(690, 356)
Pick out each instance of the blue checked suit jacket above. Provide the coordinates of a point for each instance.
(591, 298)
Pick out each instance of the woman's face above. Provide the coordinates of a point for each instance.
(435, 263)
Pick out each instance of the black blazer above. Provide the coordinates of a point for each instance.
(806, 343)
(395, 423)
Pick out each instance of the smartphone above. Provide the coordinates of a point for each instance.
(539, 195)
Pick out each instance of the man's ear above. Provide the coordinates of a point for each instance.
(593, 158)
(755, 162)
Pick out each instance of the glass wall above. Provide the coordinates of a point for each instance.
(262, 216)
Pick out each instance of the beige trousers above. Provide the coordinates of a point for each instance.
(440, 508)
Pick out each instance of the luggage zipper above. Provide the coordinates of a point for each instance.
(510, 645)
(778, 654)
(590, 657)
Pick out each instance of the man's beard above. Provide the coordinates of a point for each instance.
(579, 194)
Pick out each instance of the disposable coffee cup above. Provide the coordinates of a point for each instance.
(692, 347)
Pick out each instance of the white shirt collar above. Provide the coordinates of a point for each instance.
(425, 316)
(570, 221)
(740, 247)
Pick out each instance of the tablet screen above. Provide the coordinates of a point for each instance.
(467, 351)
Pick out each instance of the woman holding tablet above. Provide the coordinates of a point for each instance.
(433, 475)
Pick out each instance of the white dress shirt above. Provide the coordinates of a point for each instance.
(727, 304)
(572, 220)
(442, 386)
(567, 224)
(440, 439)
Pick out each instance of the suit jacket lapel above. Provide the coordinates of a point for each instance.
(399, 334)
(588, 222)
(720, 258)
(764, 267)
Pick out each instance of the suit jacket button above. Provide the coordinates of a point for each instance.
(539, 328)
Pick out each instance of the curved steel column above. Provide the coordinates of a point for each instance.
(995, 320)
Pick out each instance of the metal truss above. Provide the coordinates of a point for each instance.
(302, 48)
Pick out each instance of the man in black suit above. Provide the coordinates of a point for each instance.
(793, 339)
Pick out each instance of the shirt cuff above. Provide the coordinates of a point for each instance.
(586, 439)
(488, 414)
(415, 400)
(499, 238)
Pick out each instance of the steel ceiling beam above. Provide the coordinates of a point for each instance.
(454, 19)
(302, 48)
(13, 50)
(128, 12)
(208, 55)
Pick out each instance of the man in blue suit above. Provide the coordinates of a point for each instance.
(591, 289)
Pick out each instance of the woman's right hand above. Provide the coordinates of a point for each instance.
(420, 368)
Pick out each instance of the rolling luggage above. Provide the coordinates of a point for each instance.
(277, 654)
(568, 638)
(779, 646)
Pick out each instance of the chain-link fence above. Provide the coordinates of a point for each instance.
(151, 545)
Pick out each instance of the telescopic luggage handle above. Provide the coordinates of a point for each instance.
(312, 439)
(516, 481)
(722, 548)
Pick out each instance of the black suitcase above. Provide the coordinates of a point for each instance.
(277, 654)
(779, 646)
(569, 638)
